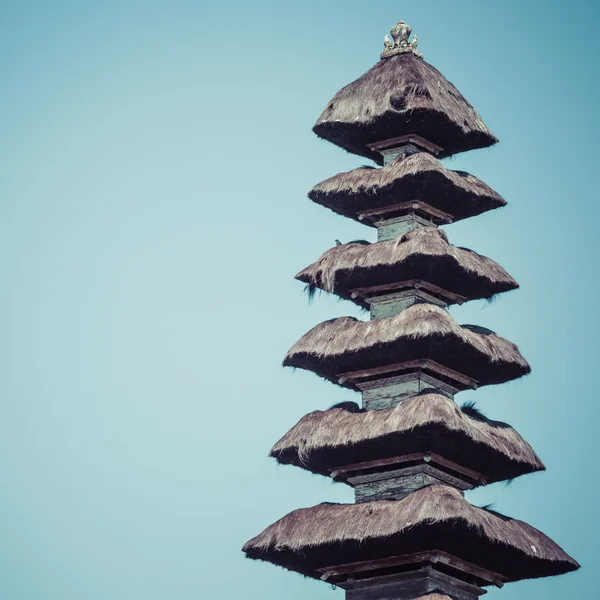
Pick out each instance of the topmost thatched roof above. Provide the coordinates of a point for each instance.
(399, 96)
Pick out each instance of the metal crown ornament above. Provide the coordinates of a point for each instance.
(400, 34)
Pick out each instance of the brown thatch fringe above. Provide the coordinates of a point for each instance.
(433, 518)
(323, 440)
(399, 96)
(416, 177)
(376, 181)
(418, 332)
(419, 254)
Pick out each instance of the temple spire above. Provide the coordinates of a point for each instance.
(410, 452)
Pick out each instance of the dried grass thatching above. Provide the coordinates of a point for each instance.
(422, 331)
(433, 518)
(399, 96)
(431, 422)
(416, 177)
(423, 254)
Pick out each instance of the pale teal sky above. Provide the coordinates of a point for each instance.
(154, 163)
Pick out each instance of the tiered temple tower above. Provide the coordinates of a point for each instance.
(410, 452)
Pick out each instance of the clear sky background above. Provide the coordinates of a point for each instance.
(154, 164)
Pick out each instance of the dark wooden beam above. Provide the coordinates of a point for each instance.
(375, 214)
(405, 139)
(411, 584)
(433, 556)
(370, 464)
(450, 464)
(367, 292)
(423, 457)
(467, 567)
(371, 565)
(413, 365)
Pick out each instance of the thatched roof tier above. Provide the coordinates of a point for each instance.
(399, 96)
(429, 423)
(422, 331)
(418, 177)
(433, 518)
(421, 254)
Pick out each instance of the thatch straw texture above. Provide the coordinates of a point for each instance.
(399, 96)
(423, 254)
(422, 331)
(433, 518)
(416, 177)
(324, 440)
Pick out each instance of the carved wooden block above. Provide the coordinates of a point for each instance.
(392, 304)
(391, 228)
(390, 391)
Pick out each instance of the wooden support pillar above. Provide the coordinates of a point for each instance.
(389, 392)
(392, 304)
(392, 298)
(391, 228)
(386, 387)
(396, 477)
(404, 145)
(398, 484)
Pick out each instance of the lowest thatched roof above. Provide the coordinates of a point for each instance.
(433, 518)
(431, 422)
(422, 331)
(422, 254)
(416, 177)
(402, 95)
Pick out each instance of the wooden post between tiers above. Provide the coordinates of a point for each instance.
(392, 298)
(403, 145)
(410, 576)
(392, 228)
(386, 387)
